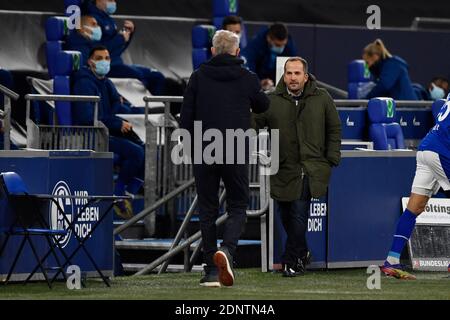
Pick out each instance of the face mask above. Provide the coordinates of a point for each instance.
(437, 93)
(96, 33)
(102, 67)
(277, 50)
(111, 7)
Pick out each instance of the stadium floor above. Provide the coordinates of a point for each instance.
(251, 284)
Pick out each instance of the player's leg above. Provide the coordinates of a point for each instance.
(424, 186)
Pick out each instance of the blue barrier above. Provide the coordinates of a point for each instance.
(354, 224)
(364, 203)
(65, 173)
(415, 122)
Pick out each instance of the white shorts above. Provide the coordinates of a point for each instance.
(429, 174)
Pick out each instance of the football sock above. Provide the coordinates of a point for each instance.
(405, 227)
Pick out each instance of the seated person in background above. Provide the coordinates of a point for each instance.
(262, 51)
(92, 80)
(85, 38)
(438, 88)
(233, 24)
(390, 73)
(117, 42)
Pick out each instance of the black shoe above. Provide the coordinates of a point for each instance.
(306, 259)
(224, 262)
(300, 268)
(211, 277)
(288, 271)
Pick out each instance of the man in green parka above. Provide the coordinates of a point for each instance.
(309, 146)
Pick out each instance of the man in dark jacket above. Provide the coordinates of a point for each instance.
(392, 79)
(262, 51)
(92, 81)
(221, 94)
(117, 41)
(310, 138)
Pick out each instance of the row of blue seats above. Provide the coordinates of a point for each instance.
(382, 121)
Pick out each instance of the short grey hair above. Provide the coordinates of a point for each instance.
(225, 41)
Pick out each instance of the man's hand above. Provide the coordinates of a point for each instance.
(267, 84)
(129, 25)
(126, 35)
(126, 127)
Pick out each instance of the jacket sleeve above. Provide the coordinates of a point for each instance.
(249, 55)
(116, 43)
(187, 114)
(109, 118)
(83, 112)
(258, 99)
(333, 133)
(388, 76)
(261, 120)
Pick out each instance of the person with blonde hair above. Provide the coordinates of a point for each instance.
(391, 73)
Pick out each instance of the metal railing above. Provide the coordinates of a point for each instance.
(166, 182)
(6, 114)
(58, 137)
(431, 21)
(398, 103)
(332, 89)
(176, 181)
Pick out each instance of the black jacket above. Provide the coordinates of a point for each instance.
(222, 94)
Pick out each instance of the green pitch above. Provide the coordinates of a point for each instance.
(250, 284)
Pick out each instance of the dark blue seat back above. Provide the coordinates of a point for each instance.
(383, 131)
(201, 44)
(359, 79)
(13, 184)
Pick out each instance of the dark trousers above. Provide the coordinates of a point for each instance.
(132, 156)
(294, 216)
(207, 180)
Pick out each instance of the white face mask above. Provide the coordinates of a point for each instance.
(436, 92)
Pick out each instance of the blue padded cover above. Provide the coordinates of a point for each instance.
(223, 8)
(381, 110)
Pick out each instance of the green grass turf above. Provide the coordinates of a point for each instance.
(250, 284)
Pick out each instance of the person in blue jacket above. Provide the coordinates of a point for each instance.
(117, 41)
(91, 80)
(391, 73)
(86, 38)
(262, 51)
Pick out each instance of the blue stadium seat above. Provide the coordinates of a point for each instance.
(201, 43)
(68, 3)
(56, 30)
(436, 107)
(223, 8)
(383, 131)
(67, 62)
(360, 81)
(61, 64)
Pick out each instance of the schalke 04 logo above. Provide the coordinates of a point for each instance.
(57, 220)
